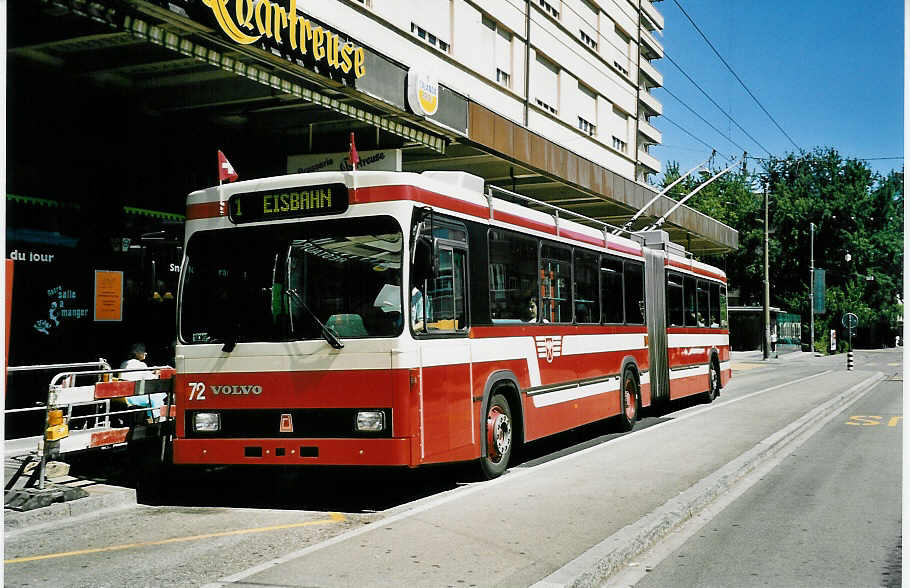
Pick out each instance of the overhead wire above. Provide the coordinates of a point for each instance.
(686, 131)
(708, 96)
(704, 120)
(735, 75)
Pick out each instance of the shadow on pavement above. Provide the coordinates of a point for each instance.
(335, 488)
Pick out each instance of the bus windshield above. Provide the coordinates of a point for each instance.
(260, 283)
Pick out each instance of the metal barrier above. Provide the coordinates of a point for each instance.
(103, 424)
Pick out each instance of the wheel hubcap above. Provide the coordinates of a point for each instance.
(499, 433)
(630, 400)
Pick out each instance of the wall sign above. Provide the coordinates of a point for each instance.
(423, 93)
(249, 21)
(108, 296)
(62, 305)
(373, 160)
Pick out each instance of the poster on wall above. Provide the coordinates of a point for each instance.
(108, 296)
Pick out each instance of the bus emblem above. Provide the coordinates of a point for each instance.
(548, 347)
(287, 425)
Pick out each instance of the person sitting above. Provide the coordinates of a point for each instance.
(136, 361)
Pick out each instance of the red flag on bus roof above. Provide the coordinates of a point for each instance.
(355, 159)
(225, 169)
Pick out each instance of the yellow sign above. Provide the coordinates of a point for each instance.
(108, 295)
(250, 20)
(423, 92)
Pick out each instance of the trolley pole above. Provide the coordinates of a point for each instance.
(766, 304)
(811, 287)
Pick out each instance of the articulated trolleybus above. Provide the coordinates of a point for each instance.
(401, 319)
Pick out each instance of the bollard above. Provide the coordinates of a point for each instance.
(849, 361)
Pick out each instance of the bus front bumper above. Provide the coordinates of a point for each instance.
(341, 452)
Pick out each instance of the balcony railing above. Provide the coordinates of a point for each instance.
(650, 102)
(649, 161)
(656, 17)
(651, 43)
(650, 134)
(649, 71)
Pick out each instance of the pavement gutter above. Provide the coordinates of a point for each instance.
(596, 565)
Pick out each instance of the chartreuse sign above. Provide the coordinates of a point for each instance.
(248, 21)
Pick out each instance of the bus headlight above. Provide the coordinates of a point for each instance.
(370, 420)
(206, 422)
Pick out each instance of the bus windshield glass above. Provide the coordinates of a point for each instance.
(267, 283)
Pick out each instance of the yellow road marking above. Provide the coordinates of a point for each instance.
(740, 367)
(335, 517)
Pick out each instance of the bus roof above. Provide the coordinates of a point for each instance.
(457, 192)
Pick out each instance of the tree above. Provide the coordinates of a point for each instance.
(856, 212)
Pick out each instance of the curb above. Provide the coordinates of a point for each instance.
(102, 497)
(598, 564)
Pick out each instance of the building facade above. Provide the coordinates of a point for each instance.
(577, 72)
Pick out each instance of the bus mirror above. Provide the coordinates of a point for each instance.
(423, 268)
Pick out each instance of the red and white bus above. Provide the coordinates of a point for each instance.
(401, 319)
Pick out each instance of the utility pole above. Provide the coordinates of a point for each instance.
(766, 347)
(811, 287)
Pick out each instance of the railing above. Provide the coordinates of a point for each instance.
(99, 429)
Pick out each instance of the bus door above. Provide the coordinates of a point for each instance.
(655, 294)
(439, 321)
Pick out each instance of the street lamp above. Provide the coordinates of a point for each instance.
(811, 287)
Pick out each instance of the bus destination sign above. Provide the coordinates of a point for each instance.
(285, 203)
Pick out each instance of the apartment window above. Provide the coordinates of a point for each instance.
(497, 42)
(589, 17)
(504, 57)
(587, 127)
(546, 85)
(549, 8)
(619, 144)
(367, 3)
(587, 40)
(586, 103)
(432, 24)
(620, 67)
(429, 38)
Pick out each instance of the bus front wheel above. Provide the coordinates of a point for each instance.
(498, 436)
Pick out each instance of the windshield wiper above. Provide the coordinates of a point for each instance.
(327, 333)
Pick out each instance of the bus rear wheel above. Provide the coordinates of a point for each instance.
(498, 436)
(713, 383)
(629, 395)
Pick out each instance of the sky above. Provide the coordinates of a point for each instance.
(830, 72)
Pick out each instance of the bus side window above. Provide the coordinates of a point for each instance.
(587, 299)
(703, 304)
(689, 296)
(634, 280)
(513, 277)
(723, 307)
(715, 306)
(675, 310)
(611, 290)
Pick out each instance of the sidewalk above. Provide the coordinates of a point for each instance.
(574, 520)
(101, 497)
